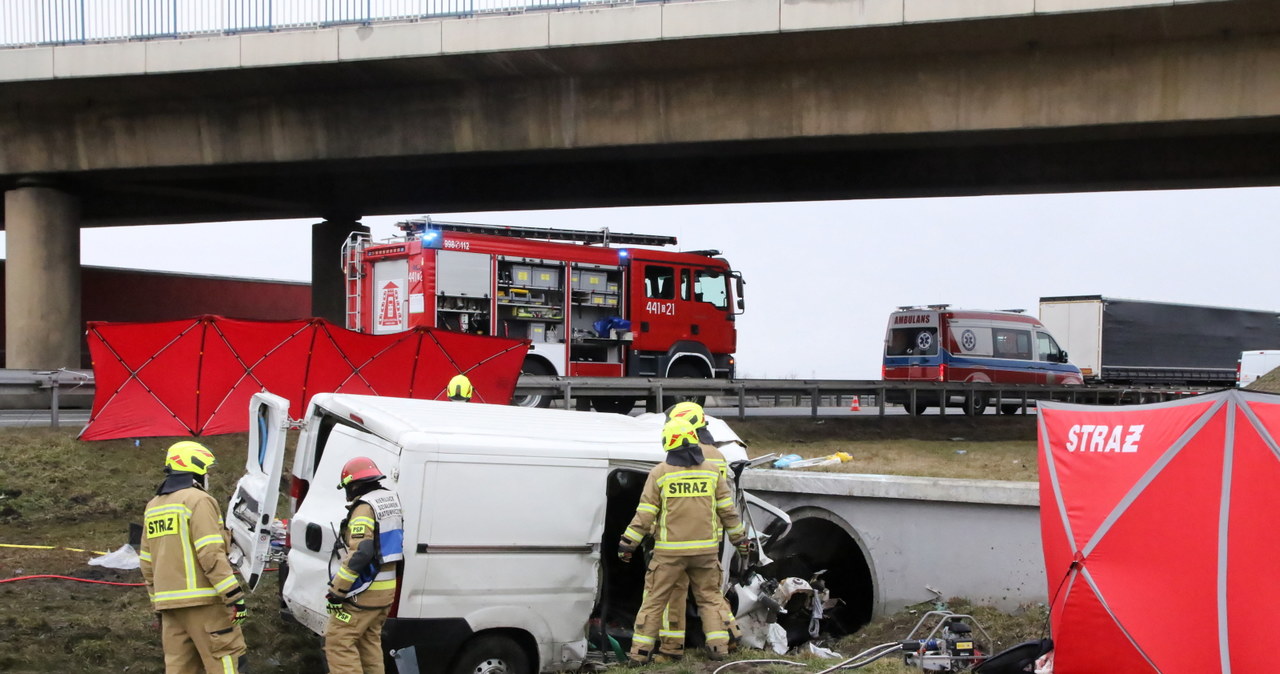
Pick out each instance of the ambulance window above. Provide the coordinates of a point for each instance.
(1011, 343)
(660, 283)
(1046, 349)
(711, 287)
(912, 342)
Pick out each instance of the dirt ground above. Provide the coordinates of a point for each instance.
(58, 491)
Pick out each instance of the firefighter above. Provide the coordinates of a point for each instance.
(187, 573)
(683, 503)
(362, 591)
(671, 636)
(459, 389)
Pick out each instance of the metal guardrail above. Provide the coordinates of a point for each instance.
(55, 383)
(814, 391)
(60, 22)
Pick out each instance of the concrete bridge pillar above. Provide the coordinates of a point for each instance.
(328, 287)
(43, 329)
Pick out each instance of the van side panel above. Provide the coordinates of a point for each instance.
(313, 529)
(509, 542)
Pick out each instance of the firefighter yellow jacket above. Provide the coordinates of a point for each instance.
(380, 591)
(184, 552)
(684, 508)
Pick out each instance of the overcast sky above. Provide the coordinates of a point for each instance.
(822, 277)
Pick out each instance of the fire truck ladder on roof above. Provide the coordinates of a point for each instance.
(590, 236)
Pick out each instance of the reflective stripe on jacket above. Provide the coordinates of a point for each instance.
(184, 551)
(684, 508)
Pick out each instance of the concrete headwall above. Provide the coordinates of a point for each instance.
(977, 539)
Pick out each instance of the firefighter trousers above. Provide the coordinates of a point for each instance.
(200, 639)
(674, 618)
(665, 573)
(353, 640)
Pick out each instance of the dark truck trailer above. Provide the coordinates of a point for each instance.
(1119, 341)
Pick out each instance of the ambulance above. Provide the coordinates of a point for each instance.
(936, 343)
(511, 521)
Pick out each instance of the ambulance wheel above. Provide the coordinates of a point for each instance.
(975, 404)
(536, 368)
(492, 654)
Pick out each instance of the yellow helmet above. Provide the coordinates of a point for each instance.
(690, 412)
(459, 388)
(678, 434)
(190, 457)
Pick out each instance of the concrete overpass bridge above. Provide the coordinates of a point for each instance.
(658, 103)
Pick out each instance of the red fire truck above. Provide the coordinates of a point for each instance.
(590, 303)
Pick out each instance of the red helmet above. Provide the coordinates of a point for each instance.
(359, 469)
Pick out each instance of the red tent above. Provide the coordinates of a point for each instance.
(1160, 543)
(195, 377)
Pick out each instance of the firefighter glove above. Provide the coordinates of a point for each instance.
(745, 546)
(625, 551)
(333, 603)
(239, 612)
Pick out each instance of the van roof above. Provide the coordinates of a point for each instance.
(467, 428)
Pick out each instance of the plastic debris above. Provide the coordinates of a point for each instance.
(123, 558)
(795, 461)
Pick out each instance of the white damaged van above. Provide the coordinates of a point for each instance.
(512, 517)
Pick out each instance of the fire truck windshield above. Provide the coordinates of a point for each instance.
(712, 287)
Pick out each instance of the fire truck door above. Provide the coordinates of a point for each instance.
(390, 296)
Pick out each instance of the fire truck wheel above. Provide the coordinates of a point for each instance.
(1010, 409)
(684, 369)
(537, 368)
(613, 404)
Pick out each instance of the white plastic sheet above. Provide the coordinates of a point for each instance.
(123, 558)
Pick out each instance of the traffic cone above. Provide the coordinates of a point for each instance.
(857, 405)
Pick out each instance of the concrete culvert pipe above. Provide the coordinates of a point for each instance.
(821, 541)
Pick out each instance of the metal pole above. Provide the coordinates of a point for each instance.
(880, 394)
(813, 402)
(742, 405)
(53, 407)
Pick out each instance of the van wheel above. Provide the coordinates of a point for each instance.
(975, 404)
(1010, 409)
(534, 367)
(492, 654)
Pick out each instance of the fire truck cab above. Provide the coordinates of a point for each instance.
(588, 308)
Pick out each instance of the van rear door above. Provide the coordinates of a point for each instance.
(253, 503)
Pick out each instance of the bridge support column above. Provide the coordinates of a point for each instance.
(328, 284)
(43, 329)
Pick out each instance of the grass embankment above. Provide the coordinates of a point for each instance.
(58, 491)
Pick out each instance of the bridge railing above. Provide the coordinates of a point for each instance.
(59, 22)
(51, 388)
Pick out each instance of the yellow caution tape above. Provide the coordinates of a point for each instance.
(48, 547)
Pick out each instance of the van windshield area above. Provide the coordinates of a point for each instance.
(1011, 343)
(1046, 349)
(912, 342)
